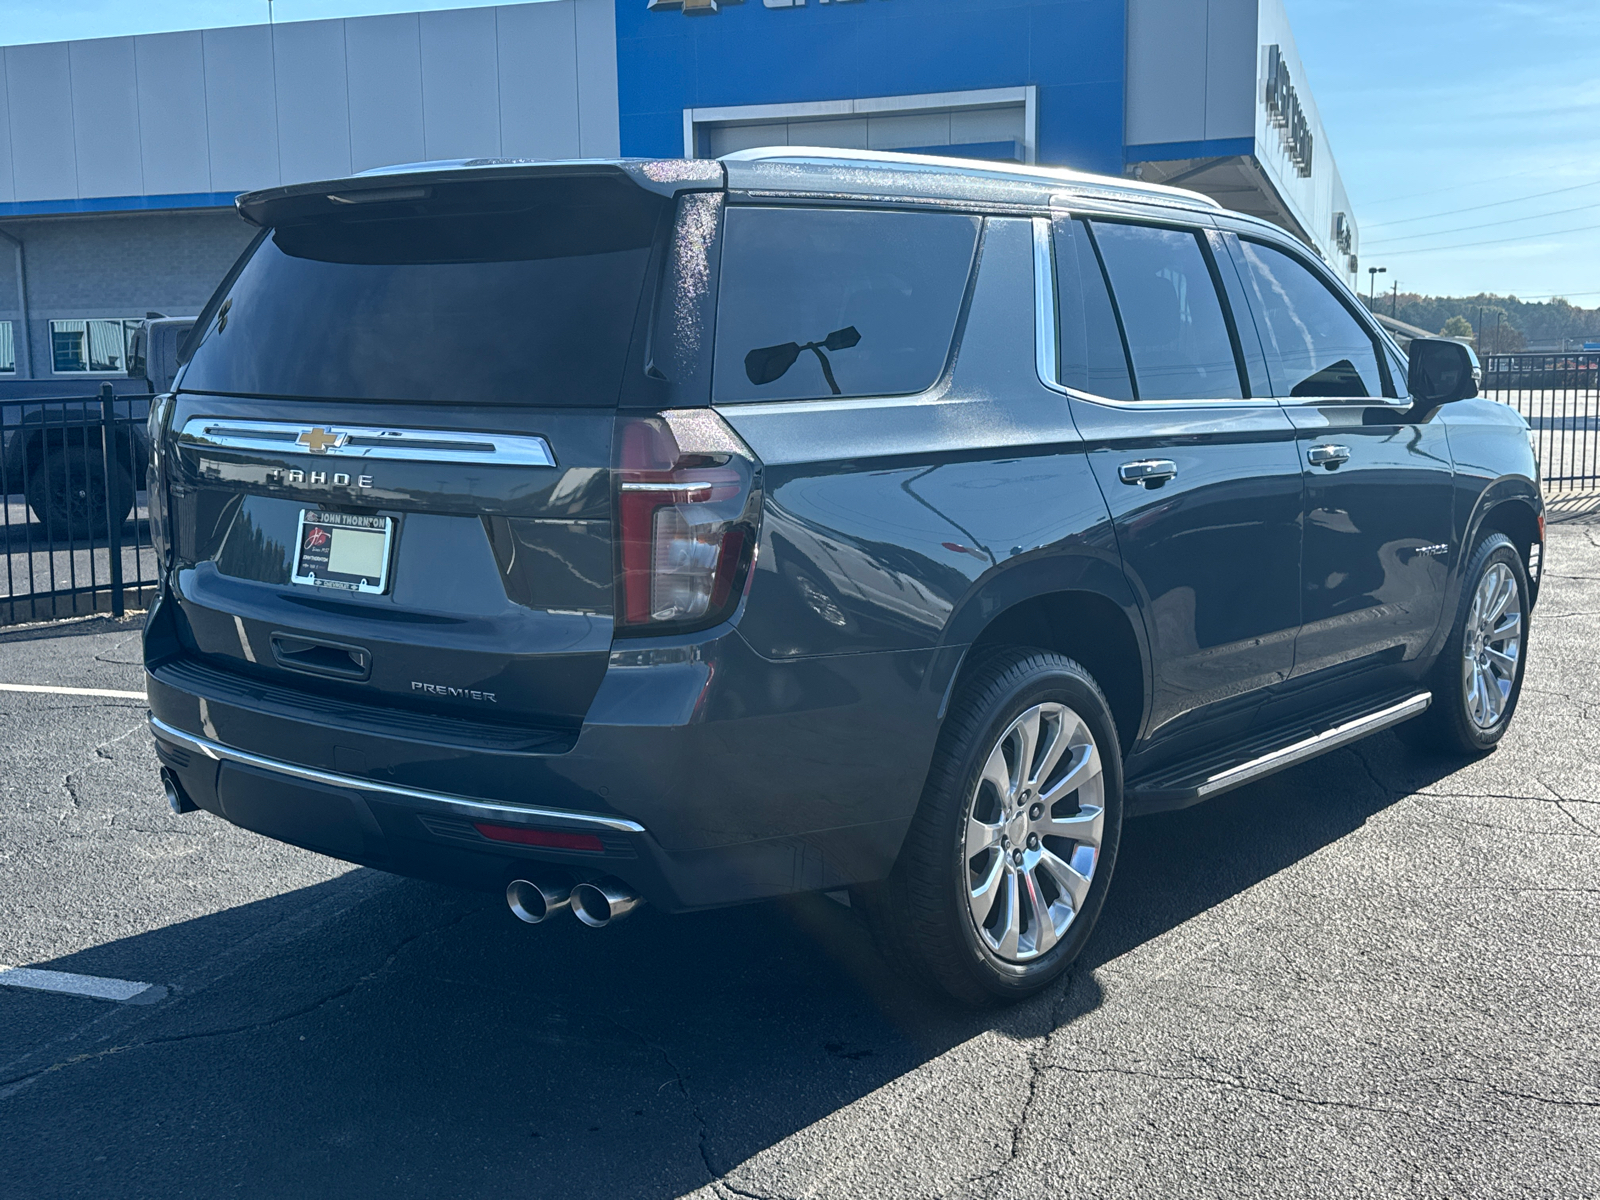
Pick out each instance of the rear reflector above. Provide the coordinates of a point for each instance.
(548, 838)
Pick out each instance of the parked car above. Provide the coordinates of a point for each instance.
(52, 451)
(702, 532)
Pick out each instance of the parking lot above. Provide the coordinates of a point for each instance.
(1376, 974)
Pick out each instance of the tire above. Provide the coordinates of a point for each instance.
(1478, 678)
(979, 812)
(67, 493)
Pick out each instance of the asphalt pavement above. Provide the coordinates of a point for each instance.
(1377, 974)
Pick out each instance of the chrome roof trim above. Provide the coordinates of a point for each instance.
(1130, 189)
(461, 806)
(364, 442)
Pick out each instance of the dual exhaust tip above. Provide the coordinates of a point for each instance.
(596, 904)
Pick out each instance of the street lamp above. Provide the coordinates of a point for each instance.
(1372, 283)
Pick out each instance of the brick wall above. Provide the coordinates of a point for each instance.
(118, 265)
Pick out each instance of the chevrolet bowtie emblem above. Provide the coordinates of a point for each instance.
(318, 440)
(693, 6)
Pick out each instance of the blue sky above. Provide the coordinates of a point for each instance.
(1432, 107)
(1435, 106)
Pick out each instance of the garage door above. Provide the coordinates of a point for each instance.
(996, 132)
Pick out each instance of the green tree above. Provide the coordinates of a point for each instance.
(1457, 327)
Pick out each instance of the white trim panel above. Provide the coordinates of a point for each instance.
(925, 104)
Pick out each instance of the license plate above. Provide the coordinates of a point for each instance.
(337, 550)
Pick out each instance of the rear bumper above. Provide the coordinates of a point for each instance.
(709, 775)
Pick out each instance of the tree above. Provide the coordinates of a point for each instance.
(1457, 327)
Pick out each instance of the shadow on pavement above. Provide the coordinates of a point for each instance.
(424, 1043)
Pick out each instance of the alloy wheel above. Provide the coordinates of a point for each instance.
(1034, 829)
(1493, 646)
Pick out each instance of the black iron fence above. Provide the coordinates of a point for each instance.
(1559, 394)
(75, 519)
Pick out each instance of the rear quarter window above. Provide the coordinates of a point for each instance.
(833, 302)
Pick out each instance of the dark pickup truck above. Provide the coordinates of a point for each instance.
(51, 446)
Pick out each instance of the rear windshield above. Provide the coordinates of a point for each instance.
(487, 293)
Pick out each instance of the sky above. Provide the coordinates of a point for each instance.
(1438, 106)
(1468, 134)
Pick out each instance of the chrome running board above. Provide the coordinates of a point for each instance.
(461, 806)
(1164, 791)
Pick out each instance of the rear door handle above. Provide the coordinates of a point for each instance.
(333, 659)
(1148, 472)
(1328, 455)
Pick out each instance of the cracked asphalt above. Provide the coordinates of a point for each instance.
(1376, 975)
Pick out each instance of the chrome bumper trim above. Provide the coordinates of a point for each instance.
(1328, 739)
(461, 806)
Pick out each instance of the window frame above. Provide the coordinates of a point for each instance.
(1391, 397)
(128, 324)
(1048, 319)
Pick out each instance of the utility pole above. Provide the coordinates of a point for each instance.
(1394, 304)
(1372, 284)
(269, 12)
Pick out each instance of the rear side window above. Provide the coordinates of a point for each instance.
(1091, 356)
(1314, 346)
(1177, 335)
(834, 302)
(504, 293)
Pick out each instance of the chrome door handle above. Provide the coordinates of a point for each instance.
(1148, 472)
(1328, 455)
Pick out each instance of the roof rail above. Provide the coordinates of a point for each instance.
(1060, 176)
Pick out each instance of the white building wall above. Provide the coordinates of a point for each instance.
(1189, 68)
(226, 110)
(44, 157)
(171, 106)
(1313, 200)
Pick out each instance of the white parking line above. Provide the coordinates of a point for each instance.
(73, 985)
(44, 689)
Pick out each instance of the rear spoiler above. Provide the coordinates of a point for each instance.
(664, 177)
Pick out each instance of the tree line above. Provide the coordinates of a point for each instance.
(1498, 324)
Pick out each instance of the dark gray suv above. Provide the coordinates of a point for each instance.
(699, 532)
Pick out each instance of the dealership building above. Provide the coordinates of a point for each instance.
(120, 157)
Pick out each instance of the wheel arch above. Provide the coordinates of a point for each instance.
(1080, 606)
(1515, 508)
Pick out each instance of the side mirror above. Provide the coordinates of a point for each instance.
(1442, 370)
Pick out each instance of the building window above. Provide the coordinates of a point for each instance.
(91, 347)
(8, 350)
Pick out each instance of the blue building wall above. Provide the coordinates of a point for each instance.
(1072, 50)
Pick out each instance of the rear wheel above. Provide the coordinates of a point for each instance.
(1478, 679)
(67, 493)
(1008, 859)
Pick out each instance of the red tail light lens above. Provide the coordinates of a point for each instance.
(688, 502)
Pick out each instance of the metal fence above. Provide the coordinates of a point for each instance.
(75, 519)
(1559, 394)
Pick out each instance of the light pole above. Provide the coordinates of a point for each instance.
(1372, 285)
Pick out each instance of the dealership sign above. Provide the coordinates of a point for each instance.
(692, 7)
(1284, 111)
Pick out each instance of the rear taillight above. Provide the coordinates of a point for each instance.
(688, 502)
